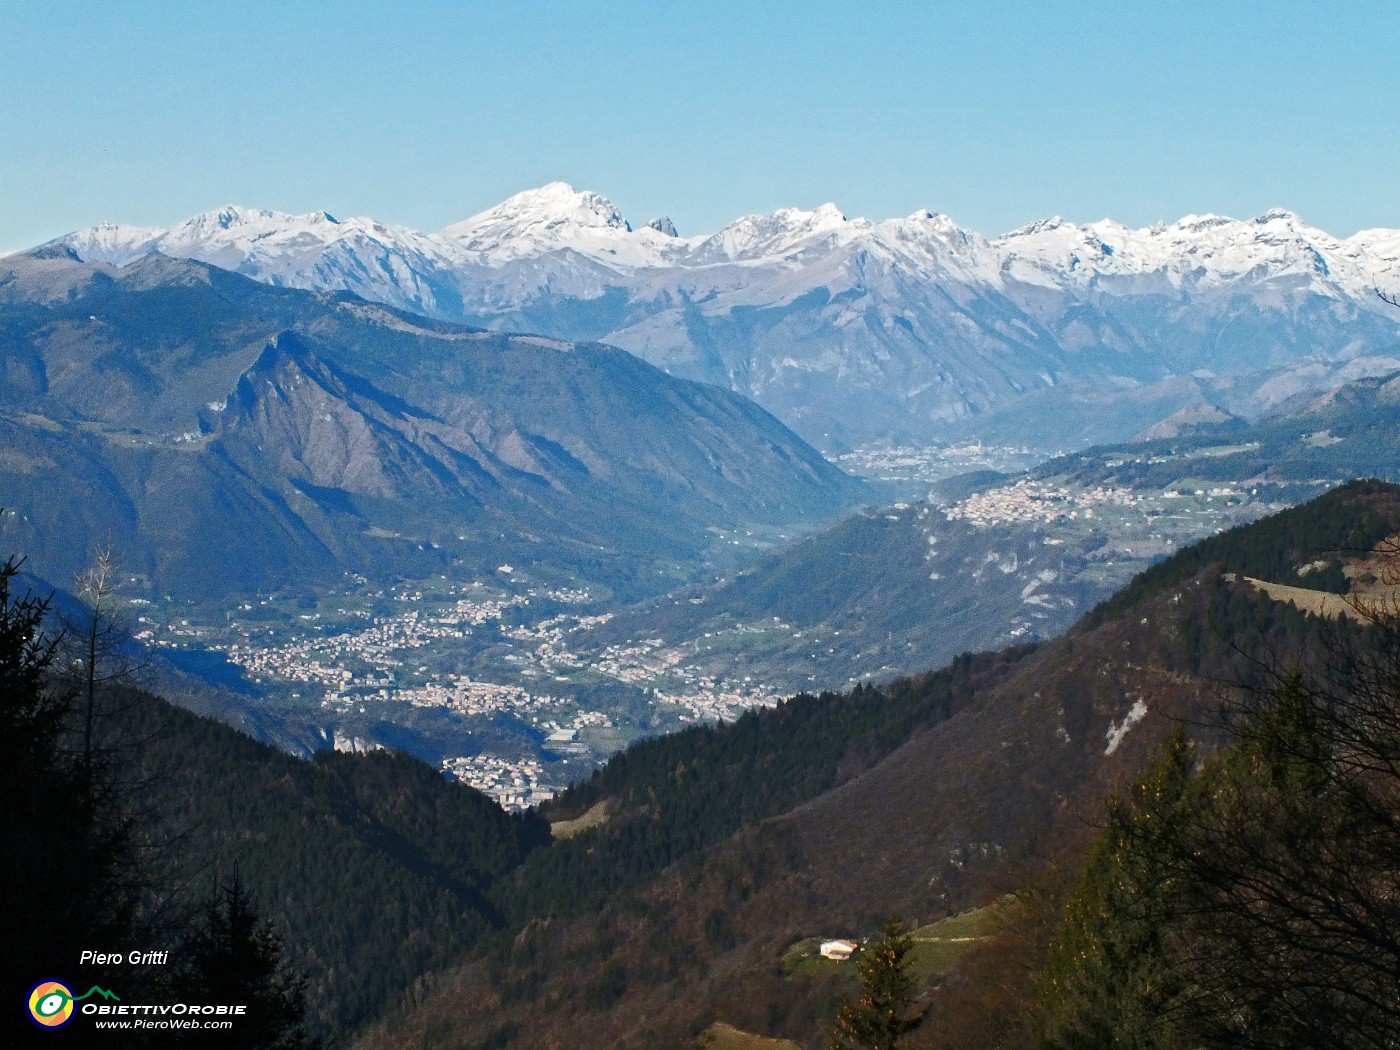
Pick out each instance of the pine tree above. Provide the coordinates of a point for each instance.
(64, 866)
(883, 1014)
(233, 958)
(1250, 905)
(1109, 982)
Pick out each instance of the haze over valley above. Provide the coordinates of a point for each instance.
(309, 434)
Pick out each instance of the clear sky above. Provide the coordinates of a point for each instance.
(994, 112)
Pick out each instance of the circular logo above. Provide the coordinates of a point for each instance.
(51, 1004)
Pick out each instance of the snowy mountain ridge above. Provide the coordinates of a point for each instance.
(1196, 249)
(852, 330)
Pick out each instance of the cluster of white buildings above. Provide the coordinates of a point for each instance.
(639, 662)
(1030, 502)
(170, 633)
(515, 783)
(718, 702)
(673, 680)
(465, 696)
(932, 462)
(383, 644)
(548, 637)
(649, 664)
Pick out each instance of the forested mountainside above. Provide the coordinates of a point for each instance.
(979, 800)
(375, 869)
(243, 436)
(681, 880)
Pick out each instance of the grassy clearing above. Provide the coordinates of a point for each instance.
(721, 1036)
(936, 950)
(939, 945)
(604, 740)
(1319, 603)
(594, 817)
(805, 959)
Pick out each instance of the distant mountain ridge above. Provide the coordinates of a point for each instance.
(226, 436)
(851, 331)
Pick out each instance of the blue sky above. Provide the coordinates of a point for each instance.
(995, 113)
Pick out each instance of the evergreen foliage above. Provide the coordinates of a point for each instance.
(67, 873)
(377, 868)
(1107, 983)
(883, 1014)
(233, 958)
(679, 794)
(1250, 902)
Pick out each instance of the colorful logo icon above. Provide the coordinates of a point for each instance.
(51, 1004)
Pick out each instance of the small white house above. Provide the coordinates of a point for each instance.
(839, 950)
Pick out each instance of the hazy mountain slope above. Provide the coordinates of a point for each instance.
(882, 592)
(228, 435)
(890, 590)
(1353, 431)
(910, 329)
(1010, 776)
(1036, 739)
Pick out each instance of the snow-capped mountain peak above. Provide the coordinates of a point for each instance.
(549, 208)
(1040, 226)
(224, 236)
(113, 243)
(232, 223)
(1196, 251)
(785, 231)
(558, 217)
(576, 243)
(871, 330)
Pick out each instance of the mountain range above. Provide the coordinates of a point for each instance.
(230, 433)
(225, 436)
(679, 886)
(909, 330)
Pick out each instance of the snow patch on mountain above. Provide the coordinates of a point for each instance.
(1196, 252)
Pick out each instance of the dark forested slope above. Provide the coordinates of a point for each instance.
(983, 790)
(373, 867)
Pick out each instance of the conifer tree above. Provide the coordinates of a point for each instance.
(883, 1014)
(64, 866)
(233, 958)
(1109, 981)
(1250, 905)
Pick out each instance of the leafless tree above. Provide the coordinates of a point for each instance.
(101, 657)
